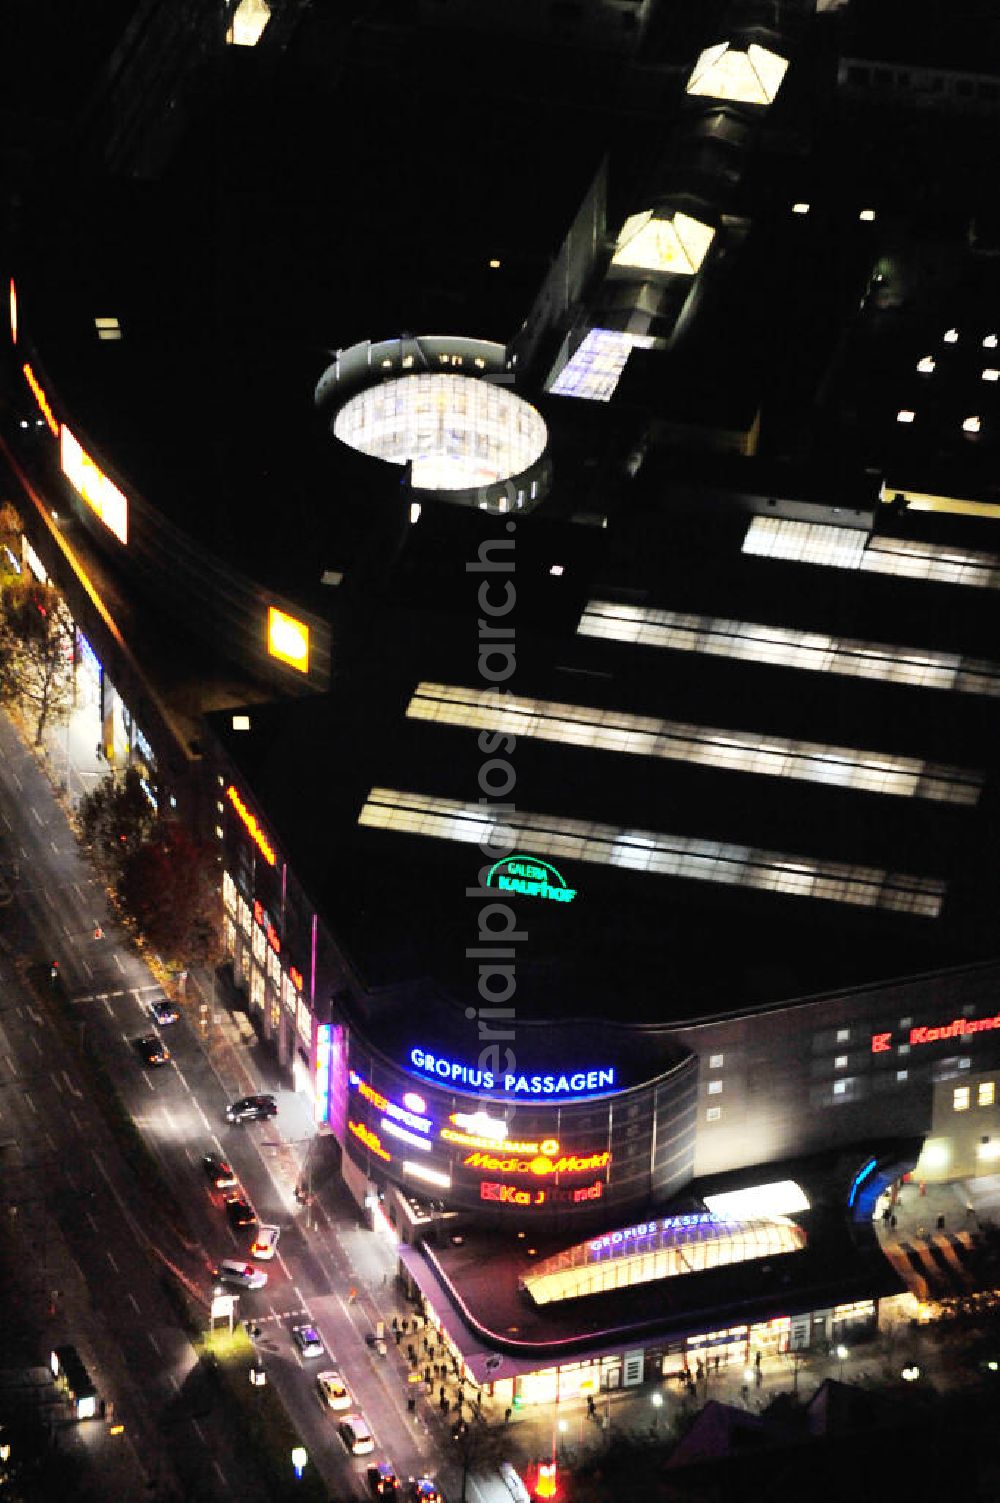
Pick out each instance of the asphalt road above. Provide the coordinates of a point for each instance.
(50, 908)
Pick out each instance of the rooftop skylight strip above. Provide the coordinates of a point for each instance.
(788, 647)
(729, 750)
(656, 854)
(852, 548)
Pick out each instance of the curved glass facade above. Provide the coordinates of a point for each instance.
(661, 1249)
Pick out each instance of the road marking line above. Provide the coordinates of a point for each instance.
(149, 1082)
(37, 1044)
(201, 1433)
(78, 891)
(133, 1302)
(111, 1260)
(182, 1076)
(91, 1220)
(76, 1120)
(221, 1473)
(87, 968)
(109, 1010)
(77, 1093)
(28, 1099)
(55, 1081)
(36, 814)
(118, 962)
(154, 1344)
(49, 1139)
(16, 779)
(208, 1126)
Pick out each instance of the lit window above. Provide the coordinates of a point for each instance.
(840, 1087)
(926, 365)
(676, 245)
(991, 374)
(843, 1035)
(715, 1061)
(951, 336)
(726, 749)
(494, 264)
(783, 1197)
(218, 831)
(713, 1114)
(653, 853)
(971, 425)
(557, 570)
(960, 1098)
(752, 76)
(840, 1063)
(990, 342)
(905, 415)
(715, 1087)
(788, 647)
(108, 328)
(985, 1093)
(241, 722)
(415, 511)
(902, 1075)
(867, 216)
(800, 208)
(903, 1049)
(248, 23)
(593, 371)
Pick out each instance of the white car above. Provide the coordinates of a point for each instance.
(333, 1390)
(265, 1244)
(308, 1341)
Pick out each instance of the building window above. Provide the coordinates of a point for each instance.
(902, 1075)
(903, 1049)
(713, 1114)
(906, 1022)
(714, 1087)
(840, 1063)
(843, 1035)
(985, 1093)
(960, 1098)
(715, 1061)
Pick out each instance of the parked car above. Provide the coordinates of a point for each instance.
(219, 1171)
(164, 1012)
(382, 1481)
(333, 1390)
(240, 1211)
(151, 1049)
(251, 1109)
(308, 1341)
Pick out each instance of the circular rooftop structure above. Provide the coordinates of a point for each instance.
(445, 406)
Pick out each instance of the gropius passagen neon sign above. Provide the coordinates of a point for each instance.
(531, 877)
(958, 1028)
(579, 1083)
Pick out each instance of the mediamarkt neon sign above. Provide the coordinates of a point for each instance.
(580, 1083)
(958, 1028)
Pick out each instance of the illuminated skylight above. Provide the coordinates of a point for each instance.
(781, 1198)
(926, 365)
(696, 860)
(972, 425)
(951, 336)
(676, 244)
(707, 746)
(595, 369)
(790, 647)
(990, 342)
(248, 23)
(800, 208)
(460, 433)
(750, 77)
(991, 374)
(854, 548)
(905, 415)
(867, 216)
(108, 328)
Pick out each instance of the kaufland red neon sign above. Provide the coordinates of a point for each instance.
(273, 938)
(958, 1028)
(510, 1195)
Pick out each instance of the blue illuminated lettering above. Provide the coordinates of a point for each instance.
(581, 1083)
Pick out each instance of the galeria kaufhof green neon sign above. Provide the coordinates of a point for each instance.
(530, 877)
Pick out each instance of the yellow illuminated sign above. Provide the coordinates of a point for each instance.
(252, 826)
(40, 398)
(541, 1165)
(548, 1146)
(370, 1139)
(93, 485)
(287, 639)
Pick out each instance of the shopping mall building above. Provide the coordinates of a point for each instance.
(595, 704)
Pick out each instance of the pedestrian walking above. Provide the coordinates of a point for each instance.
(745, 1393)
(507, 1414)
(716, 1361)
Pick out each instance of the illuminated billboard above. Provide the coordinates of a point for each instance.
(252, 825)
(40, 397)
(287, 639)
(90, 481)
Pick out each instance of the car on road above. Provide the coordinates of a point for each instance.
(382, 1481)
(163, 1012)
(333, 1390)
(244, 1275)
(424, 1490)
(308, 1341)
(240, 1211)
(151, 1049)
(251, 1109)
(356, 1433)
(265, 1243)
(219, 1171)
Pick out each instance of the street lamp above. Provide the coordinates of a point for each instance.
(841, 1354)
